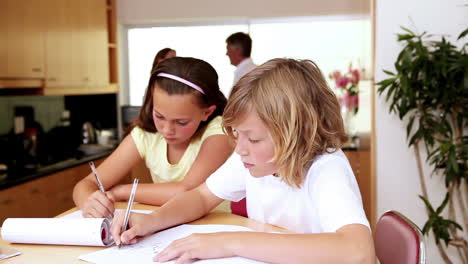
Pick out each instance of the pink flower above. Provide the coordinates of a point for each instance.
(342, 82)
(336, 75)
(354, 76)
(351, 102)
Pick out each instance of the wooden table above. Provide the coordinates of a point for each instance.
(69, 254)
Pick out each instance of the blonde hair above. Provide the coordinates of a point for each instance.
(300, 111)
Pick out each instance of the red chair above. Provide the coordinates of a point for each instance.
(398, 240)
(239, 208)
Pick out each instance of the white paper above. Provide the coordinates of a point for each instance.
(145, 249)
(79, 214)
(8, 252)
(58, 231)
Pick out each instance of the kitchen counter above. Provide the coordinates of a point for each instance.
(16, 178)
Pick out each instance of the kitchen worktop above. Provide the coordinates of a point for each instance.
(18, 177)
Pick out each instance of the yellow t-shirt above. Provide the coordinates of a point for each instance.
(153, 149)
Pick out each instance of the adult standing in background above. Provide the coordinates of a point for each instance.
(239, 47)
(162, 55)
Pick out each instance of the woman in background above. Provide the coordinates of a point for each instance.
(162, 55)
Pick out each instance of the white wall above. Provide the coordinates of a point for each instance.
(151, 11)
(397, 178)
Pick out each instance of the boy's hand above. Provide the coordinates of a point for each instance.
(99, 205)
(196, 246)
(138, 226)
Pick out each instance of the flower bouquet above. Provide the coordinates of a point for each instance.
(348, 83)
(348, 95)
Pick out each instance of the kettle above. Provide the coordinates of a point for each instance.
(88, 133)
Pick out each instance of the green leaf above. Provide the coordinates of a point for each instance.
(389, 73)
(442, 206)
(402, 37)
(428, 205)
(463, 34)
(407, 30)
(455, 224)
(409, 126)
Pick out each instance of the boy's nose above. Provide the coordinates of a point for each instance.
(240, 148)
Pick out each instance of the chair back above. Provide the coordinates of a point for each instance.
(398, 240)
(240, 207)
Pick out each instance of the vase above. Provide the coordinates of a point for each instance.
(349, 122)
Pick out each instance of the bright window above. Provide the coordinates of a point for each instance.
(331, 42)
(203, 42)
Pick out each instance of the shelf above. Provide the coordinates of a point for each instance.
(21, 83)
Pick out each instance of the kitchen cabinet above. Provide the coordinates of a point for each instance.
(77, 56)
(46, 196)
(63, 43)
(22, 39)
(360, 163)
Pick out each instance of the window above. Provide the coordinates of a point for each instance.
(204, 42)
(332, 42)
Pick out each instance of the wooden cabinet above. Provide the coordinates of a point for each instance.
(47, 196)
(21, 39)
(63, 56)
(96, 43)
(360, 163)
(64, 43)
(77, 56)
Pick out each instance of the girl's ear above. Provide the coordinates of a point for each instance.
(208, 111)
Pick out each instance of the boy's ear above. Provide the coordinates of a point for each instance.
(208, 111)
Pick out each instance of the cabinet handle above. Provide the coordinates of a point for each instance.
(52, 79)
(36, 69)
(86, 79)
(35, 190)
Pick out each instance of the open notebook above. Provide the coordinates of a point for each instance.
(145, 249)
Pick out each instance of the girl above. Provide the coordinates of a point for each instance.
(178, 133)
(288, 131)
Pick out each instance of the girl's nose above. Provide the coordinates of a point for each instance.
(168, 129)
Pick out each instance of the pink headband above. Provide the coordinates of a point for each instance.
(173, 77)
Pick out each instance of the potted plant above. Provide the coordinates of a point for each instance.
(429, 91)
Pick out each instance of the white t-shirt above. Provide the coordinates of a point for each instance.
(328, 199)
(242, 69)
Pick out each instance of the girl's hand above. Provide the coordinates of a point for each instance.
(99, 205)
(196, 246)
(138, 225)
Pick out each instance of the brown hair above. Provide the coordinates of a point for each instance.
(300, 111)
(159, 56)
(193, 70)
